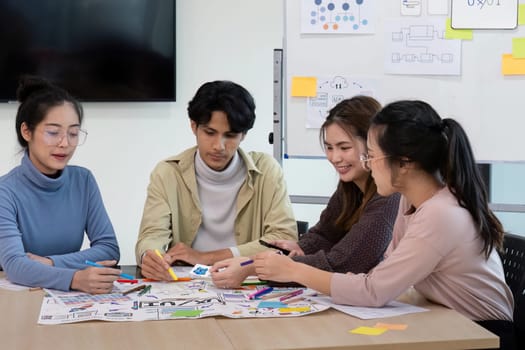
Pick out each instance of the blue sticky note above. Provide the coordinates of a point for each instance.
(271, 304)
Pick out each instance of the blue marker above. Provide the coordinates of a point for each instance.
(123, 275)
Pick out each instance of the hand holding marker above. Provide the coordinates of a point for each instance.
(123, 275)
(269, 245)
(170, 270)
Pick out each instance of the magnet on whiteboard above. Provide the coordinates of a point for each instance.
(411, 7)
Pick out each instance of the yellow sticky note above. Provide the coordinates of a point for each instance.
(518, 47)
(286, 310)
(465, 34)
(521, 14)
(511, 65)
(304, 86)
(368, 330)
(391, 326)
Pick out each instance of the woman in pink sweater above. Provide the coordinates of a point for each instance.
(445, 238)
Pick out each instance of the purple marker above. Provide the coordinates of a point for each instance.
(247, 262)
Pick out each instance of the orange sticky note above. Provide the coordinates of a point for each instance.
(511, 65)
(465, 34)
(304, 86)
(521, 14)
(391, 326)
(368, 330)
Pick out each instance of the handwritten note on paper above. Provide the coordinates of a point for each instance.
(512, 66)
(304, 86)
(368, 330)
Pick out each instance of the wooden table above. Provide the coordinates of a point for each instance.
(440, 328)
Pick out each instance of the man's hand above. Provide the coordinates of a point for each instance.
(182, 252)
(229, 273)
(155, 267)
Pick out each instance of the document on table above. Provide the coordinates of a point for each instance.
(5, 284)
(394, 308)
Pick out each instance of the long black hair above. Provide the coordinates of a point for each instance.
(353, 116)
(413, 131)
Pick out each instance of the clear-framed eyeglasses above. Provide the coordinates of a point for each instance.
(366, 159)
(75, 136)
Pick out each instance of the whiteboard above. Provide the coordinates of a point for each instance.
(486, 103)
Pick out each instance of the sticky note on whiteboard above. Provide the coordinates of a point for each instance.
(518, 47)
(304, 86)
(512, 66)
(465, 34)
(521, 14)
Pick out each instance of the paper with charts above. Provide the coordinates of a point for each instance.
(173, 300)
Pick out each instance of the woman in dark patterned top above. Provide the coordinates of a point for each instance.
(355, 228)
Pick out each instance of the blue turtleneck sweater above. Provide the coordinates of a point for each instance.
(49, 217)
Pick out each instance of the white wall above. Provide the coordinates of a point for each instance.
(227, 39)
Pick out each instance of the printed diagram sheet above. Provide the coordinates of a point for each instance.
(331, 91)
(419, 46)
(338, 16)
(166, 301)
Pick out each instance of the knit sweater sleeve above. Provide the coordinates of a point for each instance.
(99, 231)
(324, 234)
(361, 248)
(17, 266)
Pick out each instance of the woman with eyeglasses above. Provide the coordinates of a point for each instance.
(46, 205)
(445, 237)
(355, 228)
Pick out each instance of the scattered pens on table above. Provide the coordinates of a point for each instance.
(123, 275)
(127, 281)
(253, 283)
(170, 270)
(145, 290)
(179, 279)
(260, 292)
(134, 289)
(291, 295)
(247, 262)
(293, 300)
(275, 295)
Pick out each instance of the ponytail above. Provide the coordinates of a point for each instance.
(464, 180)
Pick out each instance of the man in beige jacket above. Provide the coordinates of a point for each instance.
(213, 201)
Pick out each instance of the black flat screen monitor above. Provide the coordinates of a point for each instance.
(98, 50)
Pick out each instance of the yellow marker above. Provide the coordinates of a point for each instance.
(170, 270)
